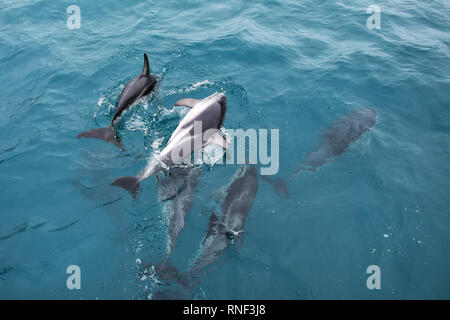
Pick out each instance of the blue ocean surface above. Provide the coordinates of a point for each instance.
(296, 66)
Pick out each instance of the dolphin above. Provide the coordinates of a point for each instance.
(177, 190)
(334, 141)
(134, 90)
(339, 136)
(209, 113)
(238, 198)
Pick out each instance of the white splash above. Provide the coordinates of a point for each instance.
(157, 143)
(101, 100)
(196, 85)
(191, 87)
(137, 124)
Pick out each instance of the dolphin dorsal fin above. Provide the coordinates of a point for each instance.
(188, 102)
(146, 69)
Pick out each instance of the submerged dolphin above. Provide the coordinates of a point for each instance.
(339, 136)
(134, 90)
(177, 190)
(176, 205)
(238, 198)
(237, 202)
(210, 113)
(335, 141)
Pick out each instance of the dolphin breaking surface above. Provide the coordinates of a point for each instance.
(134, 90)
(210, 112)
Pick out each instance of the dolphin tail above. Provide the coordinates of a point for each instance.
(169, 294)
(165, 272)
(107, 134)
(129, 183)
(279, 185)
(302, 168)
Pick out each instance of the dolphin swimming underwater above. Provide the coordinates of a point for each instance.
(334, 141)
(238, 198)
(177, 190)
(210, 113)
(176, 204)
(134, 90)
(339, 136)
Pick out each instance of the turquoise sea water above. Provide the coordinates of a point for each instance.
(292, 65)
